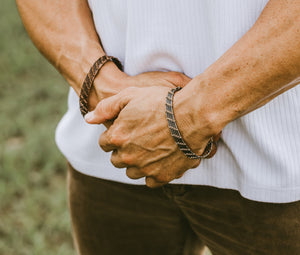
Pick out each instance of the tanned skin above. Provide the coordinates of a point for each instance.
(64, 32)
(264, 63)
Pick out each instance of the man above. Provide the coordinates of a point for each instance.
(244, 60)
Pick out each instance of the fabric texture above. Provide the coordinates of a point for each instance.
(113, 218)
(258, 154)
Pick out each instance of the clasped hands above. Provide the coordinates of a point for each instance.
(139, 136)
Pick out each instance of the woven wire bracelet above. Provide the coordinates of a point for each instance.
(177, 135)
(89, 80)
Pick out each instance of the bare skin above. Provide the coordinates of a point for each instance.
(64, 33)
(66, 36)
(264, 63)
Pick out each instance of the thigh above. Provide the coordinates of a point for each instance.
(114, 218)
(230, 224)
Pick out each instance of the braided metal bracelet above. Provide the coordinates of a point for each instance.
(175, 131)
(89, 80)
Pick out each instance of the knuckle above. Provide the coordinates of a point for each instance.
(151, 183)
(161, 179)
(130, 173)
(133, 173)
(121, 160)
(103, 142)
(127, 159)
(146, 171)
(116, 138)
(103, 139)
(116, 161)
(104, 148)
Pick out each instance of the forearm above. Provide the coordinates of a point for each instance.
(64, 32)
(261, 65)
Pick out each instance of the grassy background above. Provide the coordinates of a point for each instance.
(33, 209)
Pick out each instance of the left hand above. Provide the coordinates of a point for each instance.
(140, 137)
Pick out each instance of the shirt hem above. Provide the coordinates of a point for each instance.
(251, 192)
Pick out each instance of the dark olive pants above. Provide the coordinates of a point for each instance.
(110, 218)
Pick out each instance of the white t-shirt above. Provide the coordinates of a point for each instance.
(258, 154)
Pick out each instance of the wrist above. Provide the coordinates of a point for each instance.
(196, 116)
(108, 82)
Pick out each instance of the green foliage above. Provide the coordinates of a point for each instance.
(34, 217)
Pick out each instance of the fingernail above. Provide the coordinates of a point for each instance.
(89, 116)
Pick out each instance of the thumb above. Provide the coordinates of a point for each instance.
(109, 108)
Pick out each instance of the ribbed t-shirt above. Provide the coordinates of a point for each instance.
(258, 154)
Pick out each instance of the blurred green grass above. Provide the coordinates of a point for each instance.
(33, 207)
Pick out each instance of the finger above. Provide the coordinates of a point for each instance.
(134, 173)
(106, 143)
(152, 183)
(110, 107)
(117, 161)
